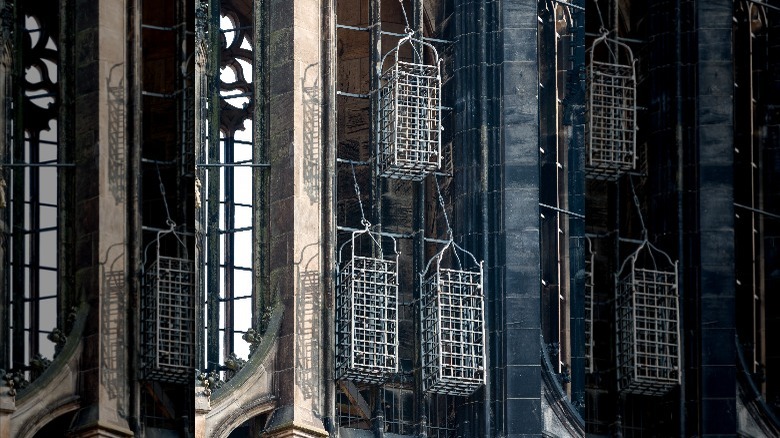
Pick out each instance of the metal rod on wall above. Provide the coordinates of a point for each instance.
(329, 186)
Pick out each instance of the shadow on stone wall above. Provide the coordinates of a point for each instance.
(312, 158)
(117, 160)
(113, 311)
(308, 308)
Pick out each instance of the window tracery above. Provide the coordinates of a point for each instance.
(229, 178)
(31, 172)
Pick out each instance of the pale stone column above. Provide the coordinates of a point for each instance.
(7, 408)
(100, 233)
(202, 409)
(295, 155)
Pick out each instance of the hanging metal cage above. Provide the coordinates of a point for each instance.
(168, 314)
(409, 145)
(648, 330)
(453, 323)
(611, 110)
(367, 309)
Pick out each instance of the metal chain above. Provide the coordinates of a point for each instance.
(446, 218)
(638, 208)
(363, 219)
(603, 27)
(168, 219)
(443, 208)
(408, 28)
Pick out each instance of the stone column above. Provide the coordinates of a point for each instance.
(100, 231)
(522, 373)
(295, 157)
(202, 409)
(7, 408)
(714, 232)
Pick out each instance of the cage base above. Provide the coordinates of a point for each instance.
(366, 376)
(454, 387)
(176, 376)
(647, 388)
(606, 172)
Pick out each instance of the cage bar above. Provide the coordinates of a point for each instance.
(168, 318)
(409, 145)
(611, 124)
(452, 324)
(367, 309)
(589, 267)
(648, 331)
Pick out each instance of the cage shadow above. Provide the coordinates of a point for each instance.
(311, 132)
(308, 321)
(115, 98)
(113, 310)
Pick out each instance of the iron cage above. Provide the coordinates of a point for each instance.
(168, 317)
(367, 309)
(409, 145)
(452, 324)
(648, 330)
(611, 127)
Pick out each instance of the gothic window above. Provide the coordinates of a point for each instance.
(231, 175)
(30, 179)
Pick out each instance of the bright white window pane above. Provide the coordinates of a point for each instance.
(32, 74)
(48, 217)
(243, 287)
(48, 249)
(243, 248)
(246, 133)
(47, 313)
(51, 67)
(243, 216)
(50, 134)
(48, 281)
(30, 23)
(240, 346)
(45, 346)
(226, 23)
(242, 152)
(48, 185)
(227, 75)
(26, 248)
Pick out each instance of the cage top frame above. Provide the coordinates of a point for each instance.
(650, 250)
(160, 235)
(415, 43)
(376, 240)
(614, 58)
(454, 247)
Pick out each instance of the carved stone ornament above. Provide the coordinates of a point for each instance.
(201, 48)
(6, 47)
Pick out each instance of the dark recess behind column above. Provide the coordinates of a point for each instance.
(771, 160)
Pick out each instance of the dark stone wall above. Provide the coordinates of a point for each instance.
(518, 374)
(715, 231)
